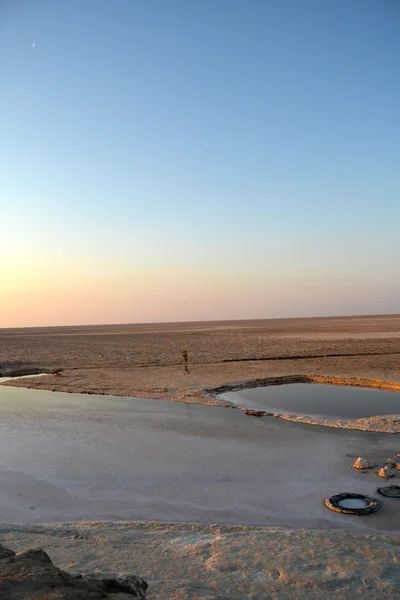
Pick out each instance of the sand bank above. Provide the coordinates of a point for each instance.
(186, 389)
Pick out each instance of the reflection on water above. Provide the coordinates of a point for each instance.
(318, 400)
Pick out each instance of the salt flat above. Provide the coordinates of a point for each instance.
(70, 456)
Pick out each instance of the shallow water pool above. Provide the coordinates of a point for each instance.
(318, 400)
(65, 457)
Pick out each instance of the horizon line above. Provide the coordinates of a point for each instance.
(347, 316)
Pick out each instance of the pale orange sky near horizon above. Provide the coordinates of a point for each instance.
(63, 298)
(108, 286)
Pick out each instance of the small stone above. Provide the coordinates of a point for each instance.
(391, 462)
(363, 463)
(275, 574)
(386, 471)
(254, 413)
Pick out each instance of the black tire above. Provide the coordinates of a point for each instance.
(333, 504)
(389, 491)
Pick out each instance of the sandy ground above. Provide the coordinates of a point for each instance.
(187, 562)
(200, 561)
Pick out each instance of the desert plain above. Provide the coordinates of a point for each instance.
(145, 360)
(221, 560)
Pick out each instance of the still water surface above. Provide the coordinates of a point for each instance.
(319, 400)
(65, 457)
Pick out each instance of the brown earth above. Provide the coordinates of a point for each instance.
(146, 360)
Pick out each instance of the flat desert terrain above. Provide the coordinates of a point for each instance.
(69, 462)
(146, 360)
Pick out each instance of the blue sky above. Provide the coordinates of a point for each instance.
(175, 159)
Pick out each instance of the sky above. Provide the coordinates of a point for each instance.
(174, 160)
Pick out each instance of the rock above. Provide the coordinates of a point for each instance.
(254, 413)
(5, 552)
(386, 471)
(391, 462)
(128, 584)
(363, 463)
(31, 575)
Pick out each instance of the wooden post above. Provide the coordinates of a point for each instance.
(185, 361)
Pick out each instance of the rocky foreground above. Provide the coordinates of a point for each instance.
(31, 575)
(204, 562)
